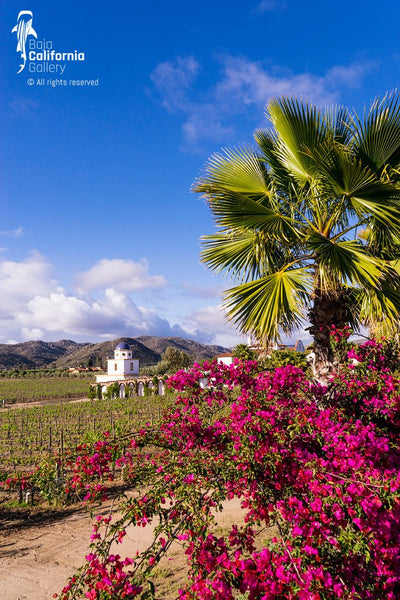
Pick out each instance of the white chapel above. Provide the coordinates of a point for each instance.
(122, 366)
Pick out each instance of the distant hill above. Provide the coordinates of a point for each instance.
(95, 355)
(195, 349)
(66, 353)
(36, 354)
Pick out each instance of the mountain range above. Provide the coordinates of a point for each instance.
(66, 353)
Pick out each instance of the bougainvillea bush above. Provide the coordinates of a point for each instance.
(317, 467)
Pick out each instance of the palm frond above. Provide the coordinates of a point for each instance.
(270, 303)
(236, 170)
(343, 175)
(281, 178)
(298, 125)
(381, 240)
(377, 135)
(345, 262)
(244, 255)
(339, 121)
(286, 211)
(379, 305)
(232, 210)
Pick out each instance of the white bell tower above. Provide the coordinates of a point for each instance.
(122, 366)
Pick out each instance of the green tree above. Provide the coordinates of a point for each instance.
(281, 358)
(244, 352)
(309, 222)
(175, 359)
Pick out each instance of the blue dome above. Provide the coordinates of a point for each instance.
(122, 346)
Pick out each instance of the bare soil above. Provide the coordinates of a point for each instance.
(39, 550)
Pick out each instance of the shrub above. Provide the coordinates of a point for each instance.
(282, 358)
(321, 470)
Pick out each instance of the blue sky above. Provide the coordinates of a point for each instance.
(99, 231)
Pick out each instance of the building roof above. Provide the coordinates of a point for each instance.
(123, 346)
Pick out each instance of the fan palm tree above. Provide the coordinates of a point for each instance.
(309, 222)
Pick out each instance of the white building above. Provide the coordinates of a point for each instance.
(122, 366)
(226, 358)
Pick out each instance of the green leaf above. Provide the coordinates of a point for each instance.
(299, 125)
(274, 301)
(344, 175)
(377, 135)
(379, 305)
(234, 210)
(237, 170)
(243, 254)
(341, 262)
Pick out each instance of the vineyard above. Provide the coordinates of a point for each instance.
(27, 389)
(45, 438)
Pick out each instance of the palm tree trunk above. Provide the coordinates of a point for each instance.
(327, 310)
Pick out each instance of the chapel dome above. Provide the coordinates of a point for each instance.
(123, 346)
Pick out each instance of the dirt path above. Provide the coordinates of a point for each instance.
(49, 401)
(37, 559)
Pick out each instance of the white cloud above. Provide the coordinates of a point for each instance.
(172, 79)
(119, 274)
(252, 83)
(20, 280)
(154, 322)
(14, 233)
(209, 325)
(34, 306)
(244, 88)
(59, 314)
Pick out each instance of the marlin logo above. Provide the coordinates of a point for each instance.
(23, 28)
